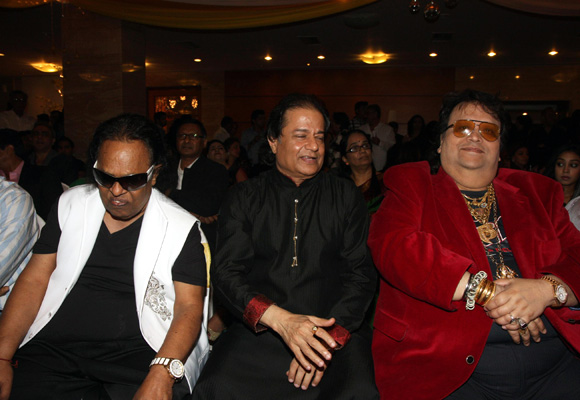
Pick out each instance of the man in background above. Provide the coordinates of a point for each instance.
(14, 117)
(19, 229)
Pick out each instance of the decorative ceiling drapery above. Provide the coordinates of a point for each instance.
(172, 14)
(559, 8)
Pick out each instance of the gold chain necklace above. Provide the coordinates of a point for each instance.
(480, 210)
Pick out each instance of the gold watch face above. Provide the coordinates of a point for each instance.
(176, 369)
(561, 294)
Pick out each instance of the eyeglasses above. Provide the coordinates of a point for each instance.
(356, 149)
(127, 182)
(191, 136)
(465, 127)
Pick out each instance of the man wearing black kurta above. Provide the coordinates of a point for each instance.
(292, 265)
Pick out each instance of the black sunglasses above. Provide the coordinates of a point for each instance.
(127, 182)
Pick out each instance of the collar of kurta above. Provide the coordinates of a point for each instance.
(284, 180)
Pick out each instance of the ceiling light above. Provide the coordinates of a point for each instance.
(433, 54)
(47, 67)
(472, 77)
(517, 77)
(1, 54)
(321, 57)
(308, 64)
(553, 53)
(374, 58)
(268, 58)
(491, 53)
(197, 59)
(524, 113)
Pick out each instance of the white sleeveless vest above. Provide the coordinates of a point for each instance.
(163, 234)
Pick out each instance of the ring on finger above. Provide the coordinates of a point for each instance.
(513, 319)
(523, 331)
(314, 329)
(523, 324)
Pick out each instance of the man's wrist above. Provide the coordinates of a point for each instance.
(159, 372)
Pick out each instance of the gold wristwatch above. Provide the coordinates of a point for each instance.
(560, 293)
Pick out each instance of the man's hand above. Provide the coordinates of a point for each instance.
(158, 385)
(524, 299)
(302, 378)
(532, 332)
(307, 344)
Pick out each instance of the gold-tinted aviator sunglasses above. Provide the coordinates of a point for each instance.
(465, 127)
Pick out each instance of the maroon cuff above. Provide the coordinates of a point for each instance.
(340, 335)
(254, 311)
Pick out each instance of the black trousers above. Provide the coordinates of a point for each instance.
(245, 365)
(105, 371)
(542, 371)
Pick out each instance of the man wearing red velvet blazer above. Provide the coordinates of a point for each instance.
(293, 266)
(479, 272)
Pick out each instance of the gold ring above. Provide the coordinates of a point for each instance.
(314, 329)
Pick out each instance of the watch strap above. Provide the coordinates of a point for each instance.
(166, 362)
(555, 286)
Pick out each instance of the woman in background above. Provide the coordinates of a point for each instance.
(236, 163)
(358, 165)
(565, 168)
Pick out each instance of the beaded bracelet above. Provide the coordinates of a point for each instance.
(470, 293)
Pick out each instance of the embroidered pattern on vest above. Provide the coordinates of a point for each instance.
(155, 298)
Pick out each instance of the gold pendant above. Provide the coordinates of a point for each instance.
(486, 232)
(505, 272)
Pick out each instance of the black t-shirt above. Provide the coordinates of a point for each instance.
(101, 306)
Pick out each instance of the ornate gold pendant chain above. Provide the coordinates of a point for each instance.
(480, 210)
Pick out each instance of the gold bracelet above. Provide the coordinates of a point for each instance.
(479, 290)
(491, 296)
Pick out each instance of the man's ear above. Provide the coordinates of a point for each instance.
(273, 144)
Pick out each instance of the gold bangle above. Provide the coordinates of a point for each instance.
(491, 296)
(487, 293)
(480, 290)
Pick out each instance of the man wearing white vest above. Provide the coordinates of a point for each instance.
(111, 305)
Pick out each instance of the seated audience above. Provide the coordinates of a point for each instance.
(479, 271)
(237, 164)
(65, 164)
(40, 182)
(382, 136)
(564, 167)
(520, 157)
(195, 182)
(225, 130)
(360, 115)
(19, 229)
(357, 157)
(254, 137)
(15, 117)
(43, 139)
(111, 303)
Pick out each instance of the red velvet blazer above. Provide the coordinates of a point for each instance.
(423, 239)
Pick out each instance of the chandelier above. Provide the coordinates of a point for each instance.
(431, 10)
